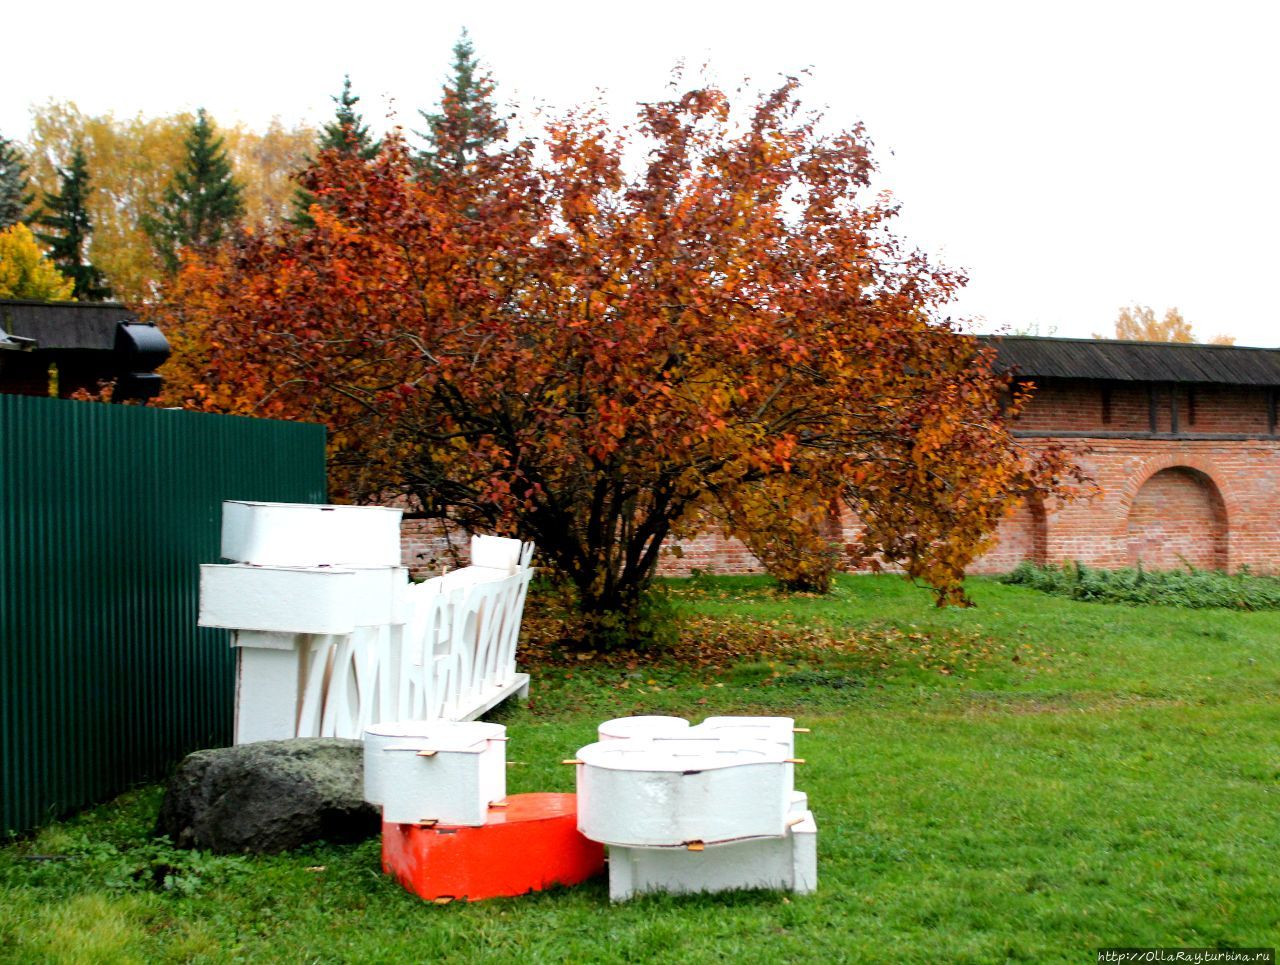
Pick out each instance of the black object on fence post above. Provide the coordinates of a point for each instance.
(139, 351)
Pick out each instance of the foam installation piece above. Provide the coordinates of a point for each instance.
(435, 771)
(302, 578)
(624, 728)
(676, 791)
(789, 863)
(300, 600)
(529, 844)
(780, 730)
(687, 808)
(305, 534)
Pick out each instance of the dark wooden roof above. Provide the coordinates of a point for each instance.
(1089, 358)
(64, 325)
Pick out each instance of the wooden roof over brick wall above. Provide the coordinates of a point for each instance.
(64, 325)
(1035, 357)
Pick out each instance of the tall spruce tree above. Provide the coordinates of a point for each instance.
(348, 134)
(468, 122)
(16, 195)
(202, 202)
(66, 216)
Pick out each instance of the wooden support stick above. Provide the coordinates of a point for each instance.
(695, 845)
(442, 900)
(800, 730)
(795, 760)
(498, 804)
(427, 753)
(574, 761)
(794, 821)
(427, 823)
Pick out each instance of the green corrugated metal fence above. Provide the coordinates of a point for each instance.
(105, 513)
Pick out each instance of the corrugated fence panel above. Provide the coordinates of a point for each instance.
(106, 513)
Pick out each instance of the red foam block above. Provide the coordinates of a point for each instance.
(530, 844)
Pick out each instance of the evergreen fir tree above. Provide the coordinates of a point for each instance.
(16, 195)
(348, 134)
(468, 123)
(66, 215)
(203, 201)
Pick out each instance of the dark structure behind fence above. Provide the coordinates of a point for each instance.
(105, 513)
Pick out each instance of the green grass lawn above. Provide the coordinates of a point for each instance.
(1026, 780)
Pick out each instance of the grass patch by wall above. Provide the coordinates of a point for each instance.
(1024, 781)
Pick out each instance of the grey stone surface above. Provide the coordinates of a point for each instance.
(269, 796)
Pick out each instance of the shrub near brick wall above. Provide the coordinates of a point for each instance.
(1208, 503)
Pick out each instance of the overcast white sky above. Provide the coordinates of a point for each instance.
(1073, 158)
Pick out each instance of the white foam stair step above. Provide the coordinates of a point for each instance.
(277, 598)
(788, 862)
(305, 534)
(781, 730)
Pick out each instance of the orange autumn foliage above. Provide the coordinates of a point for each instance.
(594, 357)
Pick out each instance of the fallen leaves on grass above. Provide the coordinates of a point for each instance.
(711, 643)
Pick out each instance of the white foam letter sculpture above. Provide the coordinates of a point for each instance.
(331, 637)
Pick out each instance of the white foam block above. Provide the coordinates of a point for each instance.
(302, 534)
(779, 730)
(652, 725)
(267, 694)
(283, 599)
(789, 863)
(379, 595)
(496, 552)
(440, 771)
(665, 791)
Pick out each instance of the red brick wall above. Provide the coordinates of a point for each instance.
(709, 553)
(1208, 502)
(427, 546)
(1219, 486)
(1023, 536)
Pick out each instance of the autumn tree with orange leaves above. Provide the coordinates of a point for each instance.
(553, 345)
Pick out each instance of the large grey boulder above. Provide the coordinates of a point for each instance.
(269, 796)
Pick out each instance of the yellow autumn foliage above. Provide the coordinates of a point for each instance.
(132, 161)
(25, 272)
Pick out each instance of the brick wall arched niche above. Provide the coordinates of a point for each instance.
(1178, 518)
(1023, 535)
